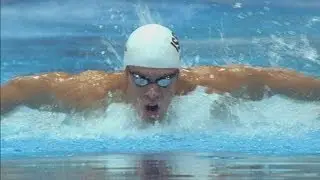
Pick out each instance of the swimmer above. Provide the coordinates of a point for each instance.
(152, 75)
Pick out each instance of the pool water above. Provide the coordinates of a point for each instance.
(163, 166)
(206, 136)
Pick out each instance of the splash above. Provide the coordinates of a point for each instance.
(237, 5)
(116, 62)
(194, 113)
(145, 16)
(313, 21)
(285, 50)
(294, 48)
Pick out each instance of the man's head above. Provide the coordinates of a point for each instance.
(152, 63)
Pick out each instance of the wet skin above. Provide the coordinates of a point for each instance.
(64, 92)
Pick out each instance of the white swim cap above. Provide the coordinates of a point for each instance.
(153, 46)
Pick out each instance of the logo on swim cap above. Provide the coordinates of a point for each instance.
(152, 45)
(175, 42)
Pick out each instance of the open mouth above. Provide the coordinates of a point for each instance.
(152, 108)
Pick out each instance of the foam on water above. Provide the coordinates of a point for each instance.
(197, 112)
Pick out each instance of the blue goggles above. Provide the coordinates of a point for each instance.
(163, 82)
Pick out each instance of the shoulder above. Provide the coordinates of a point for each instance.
(89, 76)
(218, 78)
(85, 76)
(207, 71)
(62, 80)
(90, 85)
(95, 78)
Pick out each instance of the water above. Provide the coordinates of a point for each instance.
(276, 138)
(163, 166)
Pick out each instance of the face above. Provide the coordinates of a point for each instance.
(150, 90)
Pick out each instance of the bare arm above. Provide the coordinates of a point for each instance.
(29, 90)
(57, 91)
(253, 83)
(290, 83)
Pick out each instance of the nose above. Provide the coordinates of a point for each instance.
(153, 93)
